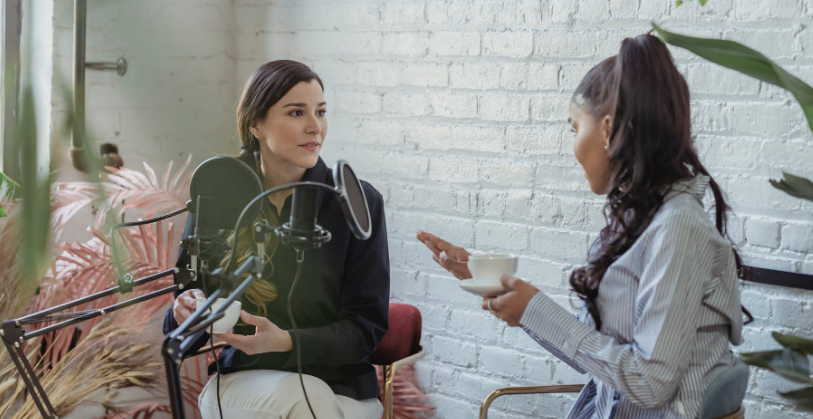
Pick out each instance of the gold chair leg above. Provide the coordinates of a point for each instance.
(389, 376)
(568, 388)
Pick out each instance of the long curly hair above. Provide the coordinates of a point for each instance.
(265, 87)
(650, 149)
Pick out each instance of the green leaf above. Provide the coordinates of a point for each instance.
(36, 203)
(789, 363)
(703, 2)
(796, 342)
(759, 359)
(678, 2)
(14, 190)
(2, 211)
(792, 364)
(745, 60)
(795, 186)
(802, 398)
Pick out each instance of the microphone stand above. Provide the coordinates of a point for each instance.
(178, 343)
(14, 334)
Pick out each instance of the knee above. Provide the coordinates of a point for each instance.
(320, 395)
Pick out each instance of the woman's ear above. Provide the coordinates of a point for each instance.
(254, 131)
(607, 129)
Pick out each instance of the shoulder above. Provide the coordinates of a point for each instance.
(371, 194)
(683, 219)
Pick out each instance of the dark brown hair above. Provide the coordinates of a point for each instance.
(266, 86)
(650, 149)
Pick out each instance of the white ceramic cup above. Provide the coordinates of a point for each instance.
(230, 316)
(487, 269)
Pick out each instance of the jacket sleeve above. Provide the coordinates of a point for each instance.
(364, 314)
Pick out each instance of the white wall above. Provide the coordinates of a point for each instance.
(177, 96)
(455, 110)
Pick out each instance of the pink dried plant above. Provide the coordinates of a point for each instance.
(81, 269)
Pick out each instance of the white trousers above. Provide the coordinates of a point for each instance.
(269, 394)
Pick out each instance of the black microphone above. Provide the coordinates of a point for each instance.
(302, 232)
(220, 188)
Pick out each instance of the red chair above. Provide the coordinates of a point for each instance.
(400, 346)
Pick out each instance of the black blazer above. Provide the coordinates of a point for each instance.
(341, 304)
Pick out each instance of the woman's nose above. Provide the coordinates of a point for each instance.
(313, 127)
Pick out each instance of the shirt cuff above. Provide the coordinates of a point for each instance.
(291, 362)
(553, 323)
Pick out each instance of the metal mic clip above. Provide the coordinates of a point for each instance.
(261, 230)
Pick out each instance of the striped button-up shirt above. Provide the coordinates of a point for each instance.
(669, 307)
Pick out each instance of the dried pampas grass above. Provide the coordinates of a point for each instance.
(102, 361)
(82, 363)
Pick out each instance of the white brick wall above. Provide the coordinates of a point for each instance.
(454, 110)
(178, 95)
(470, 142)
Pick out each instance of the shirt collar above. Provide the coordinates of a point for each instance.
(695, 187)
(318, 173)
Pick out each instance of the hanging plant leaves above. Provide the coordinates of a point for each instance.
(790, 341)
(743, 59)
(12, 188)
(36, 204)
(801, 398)
(796, 186)
(791, 364)
(759, 359)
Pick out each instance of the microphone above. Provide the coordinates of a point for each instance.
(220, 188)
(302, 232)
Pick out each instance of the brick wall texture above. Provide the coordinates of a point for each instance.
(455, 111)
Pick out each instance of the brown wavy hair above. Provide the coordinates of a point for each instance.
(265, 87)
(650, 149)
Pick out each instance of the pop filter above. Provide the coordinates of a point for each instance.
(226, 185)
(353, 201)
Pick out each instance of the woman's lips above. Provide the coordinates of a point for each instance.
(310, 146)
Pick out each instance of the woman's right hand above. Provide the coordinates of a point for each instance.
(450, 257)
(186, 304)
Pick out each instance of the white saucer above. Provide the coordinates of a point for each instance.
(483, 290)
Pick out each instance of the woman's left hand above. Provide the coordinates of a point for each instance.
(510, 306)
(268, 337)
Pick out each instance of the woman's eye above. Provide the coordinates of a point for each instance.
(321, 112)
(297, 113)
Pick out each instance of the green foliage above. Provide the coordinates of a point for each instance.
(792, 363)
(679, 2)
(36, 208)
(796, 186)
(790, 341)
(11, 188)
(745, 60)
(14, 190)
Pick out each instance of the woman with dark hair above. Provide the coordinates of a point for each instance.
(660, 288)
(342, 300)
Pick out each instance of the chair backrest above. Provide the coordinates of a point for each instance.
(725, 393)
(403, 338)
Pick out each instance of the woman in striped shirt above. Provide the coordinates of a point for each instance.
(661, 303)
